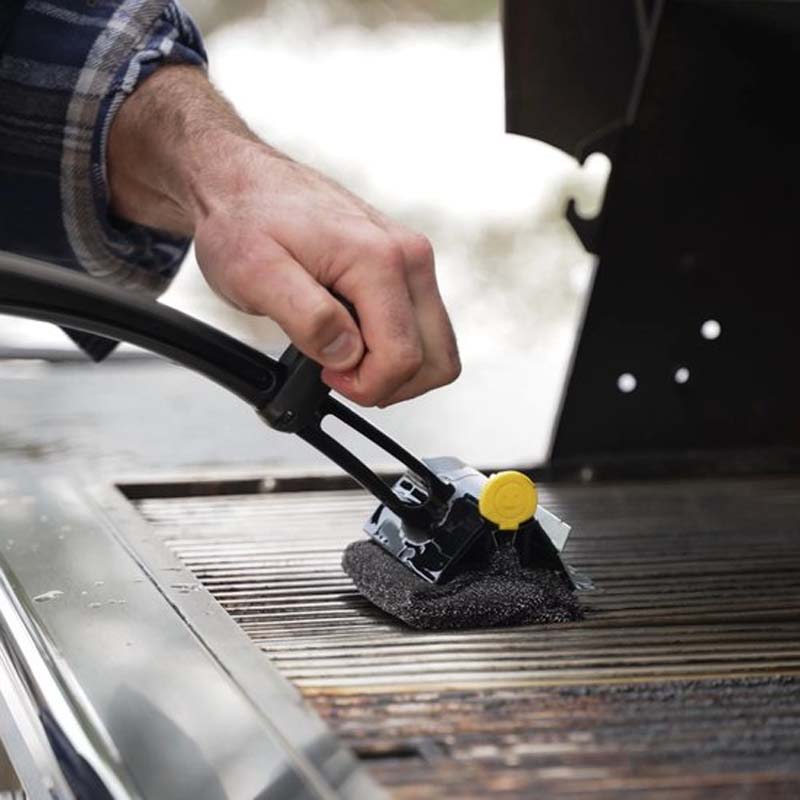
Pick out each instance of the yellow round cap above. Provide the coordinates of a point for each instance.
(508, 499)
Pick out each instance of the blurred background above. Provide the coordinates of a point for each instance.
(403, 103)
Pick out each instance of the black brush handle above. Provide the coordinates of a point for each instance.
(39, 291)
(288, 394)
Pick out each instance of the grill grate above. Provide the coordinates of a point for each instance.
(678, 683)
(678, 593)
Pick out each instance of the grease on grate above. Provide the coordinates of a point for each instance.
(501, 594)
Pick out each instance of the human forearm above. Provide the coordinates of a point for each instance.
(164, 149)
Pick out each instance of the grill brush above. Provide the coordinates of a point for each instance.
(441, 519)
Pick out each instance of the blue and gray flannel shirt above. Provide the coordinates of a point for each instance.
(66, 67)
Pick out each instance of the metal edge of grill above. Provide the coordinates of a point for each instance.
(113, 660)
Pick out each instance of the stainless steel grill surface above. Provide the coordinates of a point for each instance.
(681, 680)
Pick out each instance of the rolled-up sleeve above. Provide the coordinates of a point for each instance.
(66, 67)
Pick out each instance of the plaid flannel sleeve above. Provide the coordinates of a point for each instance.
(66, 67)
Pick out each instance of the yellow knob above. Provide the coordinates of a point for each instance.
(508, 499)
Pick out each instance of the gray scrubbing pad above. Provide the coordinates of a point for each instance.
(502, 593)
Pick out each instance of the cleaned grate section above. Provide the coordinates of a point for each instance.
(692, 580)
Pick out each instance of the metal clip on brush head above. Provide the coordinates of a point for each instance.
(482, 515)
(440, 517)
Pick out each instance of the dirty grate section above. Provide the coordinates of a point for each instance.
(680, 683)
(679, 740)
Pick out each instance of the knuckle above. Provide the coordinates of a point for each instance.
(243, 258)
(407, 362)
(452, 369)
(366, 395)
(388, 253)
(452, 358)
(387, 376)
(419, 250)
(446, 371)
(317, 320)
(238, 280)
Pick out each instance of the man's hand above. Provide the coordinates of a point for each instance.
(275, 237)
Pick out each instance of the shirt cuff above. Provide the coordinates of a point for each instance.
(131, 47)
(133, 44)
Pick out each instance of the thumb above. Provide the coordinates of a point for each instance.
(316, 322)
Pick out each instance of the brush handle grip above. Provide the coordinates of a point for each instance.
(39, 291)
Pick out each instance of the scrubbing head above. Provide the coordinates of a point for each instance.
(499, 592)
(491, 560)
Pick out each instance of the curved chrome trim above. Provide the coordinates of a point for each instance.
(125, 682)
(63, 736)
